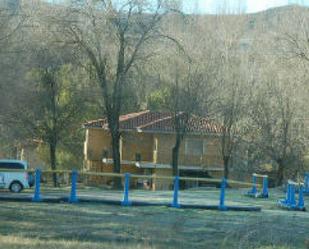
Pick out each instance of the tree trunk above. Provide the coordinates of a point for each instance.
(53, 161)
(175, 155)
(116, 157)
(226, 160)
(280, 172)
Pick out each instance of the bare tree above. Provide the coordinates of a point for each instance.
(184, 103)
(114, 38)
(231, 114)
(293, 35)
(54, 110)
(273, 117)
(11, 20)
(231, 85)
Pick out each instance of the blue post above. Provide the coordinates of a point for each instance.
(175, 202)
(288, 193)
(254, 189)
(125, 201)
(301, 202)
(292, 196)
(265, 187)
(73, 196)
(222, 206)
(37, 195)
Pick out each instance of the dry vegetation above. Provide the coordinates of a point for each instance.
(248, 72)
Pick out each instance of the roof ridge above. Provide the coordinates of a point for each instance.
(148, 120)
(154, 122)
(132, 115)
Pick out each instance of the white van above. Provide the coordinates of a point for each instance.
(14, 181)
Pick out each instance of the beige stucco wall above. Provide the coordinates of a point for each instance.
(134, 142)
(210, 158)
(98, 140)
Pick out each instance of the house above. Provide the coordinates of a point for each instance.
(146, 143)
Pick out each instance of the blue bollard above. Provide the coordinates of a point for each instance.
(254, 189)
(175, 202)
(292, 201)
(288, 193)
(265, 187)
(73, 196)
(37, 195)
(222, 206)
(301, 202)
(125, 201)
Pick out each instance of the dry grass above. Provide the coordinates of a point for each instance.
(33, 226)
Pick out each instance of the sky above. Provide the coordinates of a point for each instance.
(247, 6)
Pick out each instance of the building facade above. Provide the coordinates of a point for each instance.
(147, 139)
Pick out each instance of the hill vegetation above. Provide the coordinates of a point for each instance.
(61, 65)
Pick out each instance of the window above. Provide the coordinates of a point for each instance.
(105, 154)
(9, 165)
(194, 147)
(138, 157)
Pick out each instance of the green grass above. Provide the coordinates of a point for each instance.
(39, 225)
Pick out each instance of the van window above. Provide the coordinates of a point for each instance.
(8, 165)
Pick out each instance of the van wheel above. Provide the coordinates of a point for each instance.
(16, 187)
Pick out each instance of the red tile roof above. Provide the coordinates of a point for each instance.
(157, 122)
